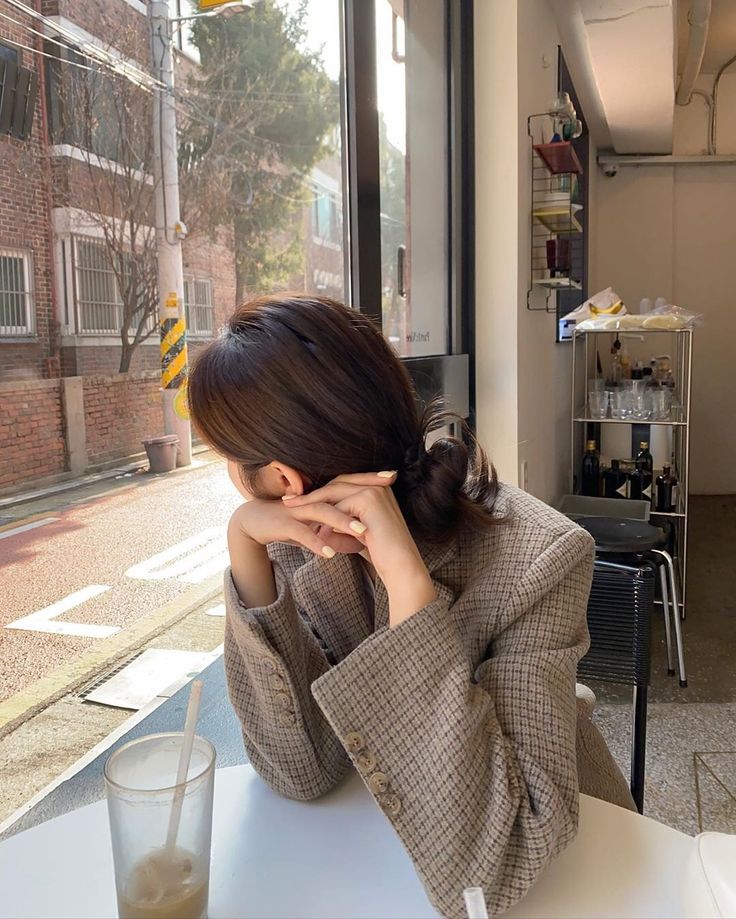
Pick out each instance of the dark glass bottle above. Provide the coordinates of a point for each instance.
(640, 483)
(665, 495)
(590, 484)
(645, 457)
(615, 481)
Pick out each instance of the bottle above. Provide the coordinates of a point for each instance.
(640, 483)
(625, 364)
(590, 484)
(665, 375)
(666, 491)
(652, 377)
(615, 481)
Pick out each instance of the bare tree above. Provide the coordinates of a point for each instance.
(108, 118)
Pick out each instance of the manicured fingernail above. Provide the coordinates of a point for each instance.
(288, 497)
(387, 474)
(357, 527)
(328, 551)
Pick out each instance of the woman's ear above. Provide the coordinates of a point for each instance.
(278, 480)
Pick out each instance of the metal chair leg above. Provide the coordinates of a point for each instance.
(666, 613)
(676, 608)
(639, 746)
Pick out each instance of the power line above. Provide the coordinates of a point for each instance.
(93, 52)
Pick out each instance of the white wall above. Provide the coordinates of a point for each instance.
(497, 225)
(669, 231)
(522, 375)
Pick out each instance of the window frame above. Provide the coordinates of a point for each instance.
(190, 308)
(76, 239)
(11, 46)
(29, 330)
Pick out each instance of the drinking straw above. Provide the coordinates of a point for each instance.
(475, 903)
(185, 756)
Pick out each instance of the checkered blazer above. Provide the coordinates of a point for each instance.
(463, 720)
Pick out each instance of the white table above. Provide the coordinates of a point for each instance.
(338, 857)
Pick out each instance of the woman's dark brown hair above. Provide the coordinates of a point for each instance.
(307, 381)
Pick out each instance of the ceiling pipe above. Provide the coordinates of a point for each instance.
(699, 19)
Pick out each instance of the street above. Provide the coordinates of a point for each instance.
(86, 564)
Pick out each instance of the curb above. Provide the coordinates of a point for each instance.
(36, 697)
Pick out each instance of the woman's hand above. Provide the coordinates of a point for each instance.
(316, 525)
(392, 549)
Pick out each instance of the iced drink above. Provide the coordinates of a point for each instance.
(155, 879)
(167, 884)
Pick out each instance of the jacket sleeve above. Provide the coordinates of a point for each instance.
(272, 656)
(476, 768)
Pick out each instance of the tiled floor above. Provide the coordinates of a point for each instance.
(691, 741)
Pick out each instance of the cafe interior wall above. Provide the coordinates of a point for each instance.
(668, 231)
(522, 375)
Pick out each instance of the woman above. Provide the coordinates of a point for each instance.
(394, 607)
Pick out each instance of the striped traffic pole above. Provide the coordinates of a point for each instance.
(174, 376)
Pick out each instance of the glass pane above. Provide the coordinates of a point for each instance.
(412, 110)
(269, 83)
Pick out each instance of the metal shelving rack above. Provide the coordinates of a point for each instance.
(554, 215)
(584, 362)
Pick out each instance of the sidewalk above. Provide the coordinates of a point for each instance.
(46, 498)
(37, 752)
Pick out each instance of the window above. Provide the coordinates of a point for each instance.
(9, 53)
(96, 111)
(16, 314)
(100, 307)
(326, 218)
(198, 304)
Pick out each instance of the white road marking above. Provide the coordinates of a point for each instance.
(218, 610)
(192, 560)
(43, 619)
(27, 526)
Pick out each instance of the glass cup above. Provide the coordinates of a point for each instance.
(598, 403)
(620, 400)
(661, 403)
(153, 877)
(642, 407)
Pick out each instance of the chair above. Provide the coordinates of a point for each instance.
(619, 620)
(626, 540)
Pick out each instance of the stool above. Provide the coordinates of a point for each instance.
(624, 538)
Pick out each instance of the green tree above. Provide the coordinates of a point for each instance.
(261, 112)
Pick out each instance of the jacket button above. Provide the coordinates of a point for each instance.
(283, 700)
(366, 762)
(391, 804)
(354, 742)
(270, 664)
(378, 782)
(276, 681)
(287, 719)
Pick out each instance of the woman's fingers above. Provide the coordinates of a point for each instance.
(328, 515)
(337, 490)
(368, 478)
(303, 535)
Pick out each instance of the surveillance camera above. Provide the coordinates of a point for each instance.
(610, 170)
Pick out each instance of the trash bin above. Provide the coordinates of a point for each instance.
(162, 452)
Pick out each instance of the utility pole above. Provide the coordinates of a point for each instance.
(169, 233)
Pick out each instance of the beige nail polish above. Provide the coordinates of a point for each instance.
(328, 552)
(288, 497)
(387, 474)
(357, 527)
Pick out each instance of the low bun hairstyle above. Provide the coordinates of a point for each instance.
(307, 381)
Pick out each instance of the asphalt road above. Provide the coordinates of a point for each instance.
(81, 566)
